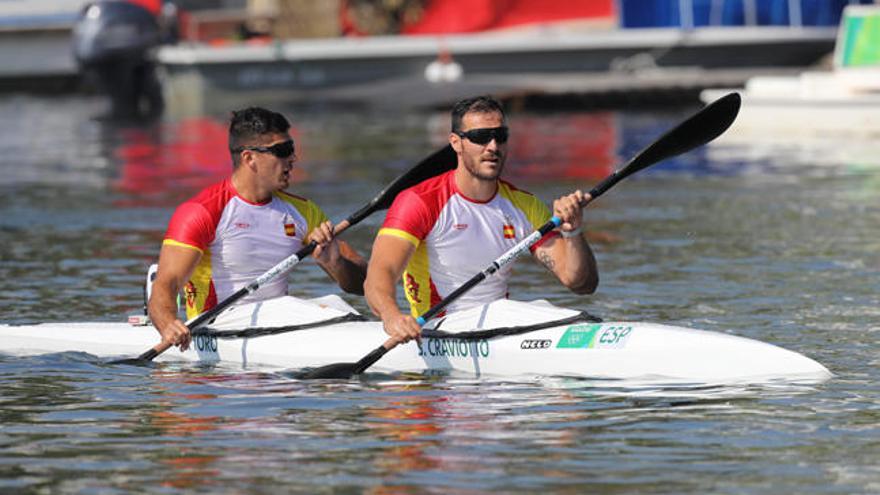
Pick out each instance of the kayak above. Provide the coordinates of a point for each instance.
(504, 338)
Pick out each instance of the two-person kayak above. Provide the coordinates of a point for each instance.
(503, 338)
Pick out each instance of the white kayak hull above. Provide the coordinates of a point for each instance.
(607, 350)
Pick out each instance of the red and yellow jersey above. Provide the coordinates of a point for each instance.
(239, 241)
(457, 237)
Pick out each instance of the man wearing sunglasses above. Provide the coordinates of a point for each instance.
(440, 233)
(234, 231)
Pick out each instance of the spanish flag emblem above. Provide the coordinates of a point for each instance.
(290, 229)
(509, 233)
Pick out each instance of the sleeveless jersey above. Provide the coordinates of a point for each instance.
(239, 241)
(456, 237)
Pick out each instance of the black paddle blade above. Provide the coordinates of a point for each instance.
(344, 370)
(699, 129)
(142, 360)
(438, 162)
(133, 362)
(702, 127)
(337, 370)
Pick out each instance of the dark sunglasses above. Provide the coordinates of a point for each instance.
(485, 135)
(282, 150)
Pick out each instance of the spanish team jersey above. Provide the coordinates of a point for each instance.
(456, 237)
(239, 241)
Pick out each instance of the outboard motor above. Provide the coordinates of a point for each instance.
(114, 42)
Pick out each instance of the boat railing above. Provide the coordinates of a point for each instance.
(693, 14)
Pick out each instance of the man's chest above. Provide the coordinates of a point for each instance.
(253, 227)
(470, 229)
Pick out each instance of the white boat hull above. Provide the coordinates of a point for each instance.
(843, 102)
(608, 350)
(794, 115)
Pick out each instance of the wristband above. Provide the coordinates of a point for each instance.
(571, 233)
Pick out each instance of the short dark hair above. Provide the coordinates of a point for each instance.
(479, 104)
(249, 124)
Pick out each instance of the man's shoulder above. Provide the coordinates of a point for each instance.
(209, 203)
(213, 195)
(433, 190)
(507, 186)
(514, 194)
(304, 206)
(292, 198)
(415, 209)
(525, 201)
(194, 220)
(301, 203)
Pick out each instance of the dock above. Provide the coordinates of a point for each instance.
(35, 45)
(842, 101)
(539, 66)
(543, 65)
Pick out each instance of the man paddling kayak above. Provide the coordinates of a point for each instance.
(441, 232)
(230, 233)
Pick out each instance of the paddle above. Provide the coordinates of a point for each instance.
(699, 129)
(440, 161)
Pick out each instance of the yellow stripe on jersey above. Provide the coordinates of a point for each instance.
(534, 209)
(172, 242)
(198, 287)
(313, 214)
(417, 282)
(417, 275)
(402, 234)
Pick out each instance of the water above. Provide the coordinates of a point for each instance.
(775, 243)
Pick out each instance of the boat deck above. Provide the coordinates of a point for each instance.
(595, 67)
(544, 66)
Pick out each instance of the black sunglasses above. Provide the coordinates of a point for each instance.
(282, 150)
(487, 134)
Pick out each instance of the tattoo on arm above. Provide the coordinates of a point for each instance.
(544, 257)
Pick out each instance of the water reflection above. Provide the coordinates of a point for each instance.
(774, 244)
(579, 147)
(51, 141)
(186, 427)
(182, 156)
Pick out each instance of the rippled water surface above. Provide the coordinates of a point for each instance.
(774, 242)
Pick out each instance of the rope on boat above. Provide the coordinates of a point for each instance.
(263, 331)
(581, 317)
(489, 333)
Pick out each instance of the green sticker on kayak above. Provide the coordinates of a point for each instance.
(578, 337)
(595, 336)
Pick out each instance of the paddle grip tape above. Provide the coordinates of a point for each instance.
(276, 270)
(365, 211)
(510, 255)
(605, 185)
(280, 268)
(523, 245)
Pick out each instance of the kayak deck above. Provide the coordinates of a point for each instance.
(606, 350)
